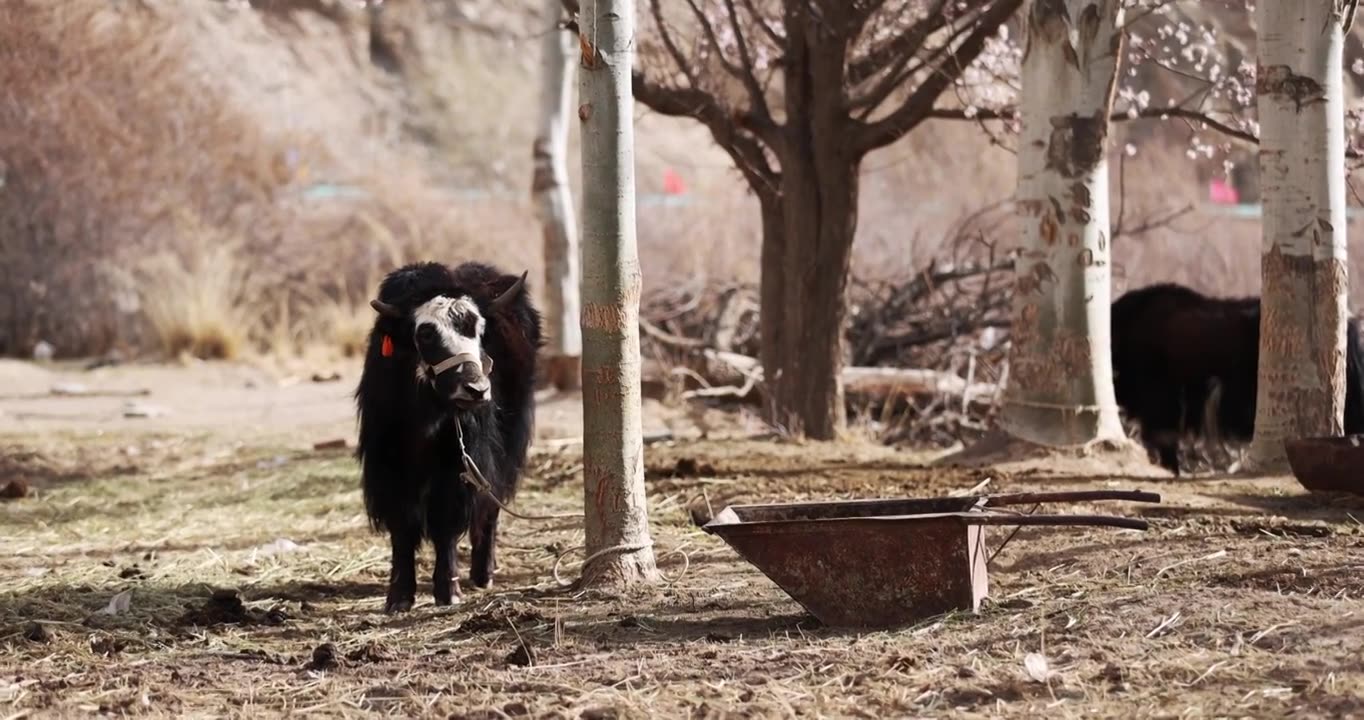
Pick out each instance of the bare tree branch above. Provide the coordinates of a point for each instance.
(905, 68)
(758, 120)
(1150, 112)
(679, 58)
(756, 96)
(772, 35)
(709, 31)
(899, 49)
(746, 149)
(919, 104)
(1153, 223)
(863, 10)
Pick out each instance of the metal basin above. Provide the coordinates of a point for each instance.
(882, 563)
(1328, 464)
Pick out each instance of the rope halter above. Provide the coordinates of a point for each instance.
(454, 361)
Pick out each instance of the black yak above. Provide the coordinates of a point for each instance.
(448, 346)
(1187, 364)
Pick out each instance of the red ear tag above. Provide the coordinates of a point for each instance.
(387, 348)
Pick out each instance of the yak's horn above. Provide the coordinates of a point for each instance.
(511, 293)
(385, 309)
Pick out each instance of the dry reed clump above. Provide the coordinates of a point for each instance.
(105, 139)
(202, 304)
(345, 323)
(127, 162)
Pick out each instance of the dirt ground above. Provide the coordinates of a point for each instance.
(209, 562)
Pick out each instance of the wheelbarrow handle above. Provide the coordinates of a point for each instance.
(987, 518)
(1071, 496)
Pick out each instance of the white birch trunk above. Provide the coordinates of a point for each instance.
(1303, 252)
(554, 203)
(1060, 390)
(617, 518)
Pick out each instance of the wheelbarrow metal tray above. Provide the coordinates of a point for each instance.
(886, 562)
(1328, 464)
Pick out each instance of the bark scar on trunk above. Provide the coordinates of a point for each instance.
(1032, 281)
(606, 317)
(587, 51)
(1077, 144)
(1047, 227)
(1050, 24)
(1281, 80)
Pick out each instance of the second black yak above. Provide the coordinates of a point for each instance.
(1185, 364)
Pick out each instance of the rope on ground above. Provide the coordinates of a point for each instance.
(559, 559)
(475, 478)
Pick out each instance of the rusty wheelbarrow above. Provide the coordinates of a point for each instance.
(888, 562)
(1328, 464)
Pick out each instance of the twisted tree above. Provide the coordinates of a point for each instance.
(798, 92)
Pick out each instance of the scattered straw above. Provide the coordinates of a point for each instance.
(193, 520)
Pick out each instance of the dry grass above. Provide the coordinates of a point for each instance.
(345, 324)
(204, 304)
(117, 128)
(101, 147)
(1240, 601)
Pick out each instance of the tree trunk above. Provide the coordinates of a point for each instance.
(1061, 378)
(616, 516)
(771, 292)
(1302, 266)
(554, 205)
(820, 221)
(819, 185)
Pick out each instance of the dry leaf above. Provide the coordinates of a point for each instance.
(1037, 667)
(280, 546)
(119, 603)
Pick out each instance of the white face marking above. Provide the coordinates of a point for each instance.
(447, 315)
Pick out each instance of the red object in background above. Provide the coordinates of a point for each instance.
(672, 183)
(1221, 193)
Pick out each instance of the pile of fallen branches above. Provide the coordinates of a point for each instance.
(950, 317)
(927, 352)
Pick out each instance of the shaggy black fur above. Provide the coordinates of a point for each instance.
(408, 450)
(1173, 347)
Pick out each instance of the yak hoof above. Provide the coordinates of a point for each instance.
(397, 605)
(447, 596)
(485, 583)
